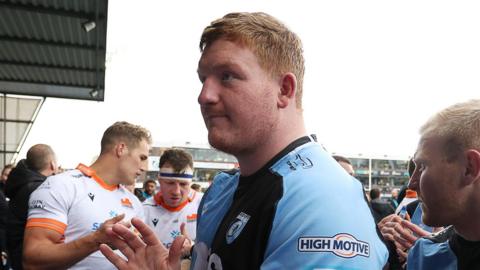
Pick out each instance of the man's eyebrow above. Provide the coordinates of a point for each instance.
(219, 66)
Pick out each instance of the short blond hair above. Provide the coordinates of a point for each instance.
(131, 134)
(278, 49)
(458, 124)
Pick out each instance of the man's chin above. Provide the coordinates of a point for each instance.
(216, 141)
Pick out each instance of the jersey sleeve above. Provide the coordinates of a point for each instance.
(49, 204)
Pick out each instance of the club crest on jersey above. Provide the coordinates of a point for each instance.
(126, 202)
(91, 196)
(343, 245)
(236, 227)
(155, 221)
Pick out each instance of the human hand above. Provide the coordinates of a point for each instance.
(100, 235)
(402, 233)
(188, 243)
(147, 253)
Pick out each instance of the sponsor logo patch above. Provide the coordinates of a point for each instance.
(175, 233)
(91, 196)
(36, 204)
(96, 226)
(155, 221)
(126, 202)
(112, 213)
(236, 227)
(192, 218)
(343, 245)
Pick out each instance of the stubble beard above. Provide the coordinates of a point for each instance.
(241, 143)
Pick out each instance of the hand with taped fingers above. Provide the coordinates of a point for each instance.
(141, 253)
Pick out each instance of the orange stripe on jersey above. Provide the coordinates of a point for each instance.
(47, 223)
(91, 173)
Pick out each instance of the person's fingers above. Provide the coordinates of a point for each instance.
(407, 217)
(126, 223)
(385, 220)
(112, 257)
(148, 235)
(175, 252)
(387, 233)
(388, 227)
(402, 254)
(120, 244)
(115, 219)
(416, 229)
(404, 236)
(183, 230)
(129, 237)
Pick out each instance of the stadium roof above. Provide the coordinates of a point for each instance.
(49, 48)
(47, 51)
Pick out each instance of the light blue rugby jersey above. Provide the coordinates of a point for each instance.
(320, 221)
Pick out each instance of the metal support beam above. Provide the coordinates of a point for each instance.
(32, 41)
(29, 83)
(47, 66)
(49, 90)
(7, 152)
(16, 121)
(49, 10)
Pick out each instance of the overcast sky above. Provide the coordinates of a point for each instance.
(375, 71)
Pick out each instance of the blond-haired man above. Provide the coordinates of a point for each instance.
(70, 212)
(447, 181)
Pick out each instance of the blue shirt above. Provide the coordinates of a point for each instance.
(301, 211)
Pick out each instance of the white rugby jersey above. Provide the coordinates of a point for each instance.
(76, 203)
(166, 221)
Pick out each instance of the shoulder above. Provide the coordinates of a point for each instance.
(225, 180)
(150, 202)
(67, 178)
(59, 181)
(432, 253)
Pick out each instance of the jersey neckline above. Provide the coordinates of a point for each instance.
(159, 201)
(92, 174)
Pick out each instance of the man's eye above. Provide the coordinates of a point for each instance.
(227, 76)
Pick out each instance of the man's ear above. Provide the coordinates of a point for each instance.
(121, 149)
(472, 168)
(288, 89)
(53, 166)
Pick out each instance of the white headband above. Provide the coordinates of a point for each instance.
(168, 173)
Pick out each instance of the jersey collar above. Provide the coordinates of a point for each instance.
(91, 173)
(159, 200)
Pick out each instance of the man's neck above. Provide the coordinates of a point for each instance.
(470, 229)
(253, 161)
(105, 172)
